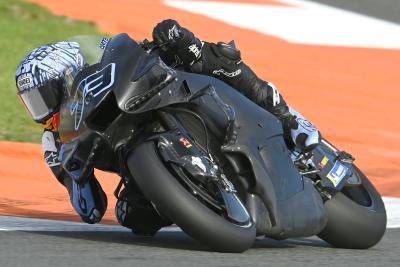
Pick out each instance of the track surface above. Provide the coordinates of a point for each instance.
(115, 247)
(383, 9)
(81, 245)
(350, 93)
(176, 249)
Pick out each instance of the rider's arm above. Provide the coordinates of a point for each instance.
(224, 62)
(221, 60)
(88, 199)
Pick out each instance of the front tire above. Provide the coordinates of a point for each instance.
(356, 216)
(173, 200)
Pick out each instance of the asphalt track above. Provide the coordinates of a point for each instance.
(25, 243)
(384, 9)
(45, 243)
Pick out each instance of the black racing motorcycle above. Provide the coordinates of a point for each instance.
(207, 158)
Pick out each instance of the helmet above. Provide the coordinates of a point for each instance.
(40, 77)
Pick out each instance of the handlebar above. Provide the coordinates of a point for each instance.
(151, 46)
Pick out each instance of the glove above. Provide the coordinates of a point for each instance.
(167, 33)
(178, 41)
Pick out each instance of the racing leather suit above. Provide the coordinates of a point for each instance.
(223, 61)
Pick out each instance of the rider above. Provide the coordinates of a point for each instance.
(40, 79)
(223, 61)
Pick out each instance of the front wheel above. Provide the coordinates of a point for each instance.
(179, 205)
(356, 216)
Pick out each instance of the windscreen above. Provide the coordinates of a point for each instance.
(91, 48)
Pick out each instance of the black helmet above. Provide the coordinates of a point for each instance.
(40, 77)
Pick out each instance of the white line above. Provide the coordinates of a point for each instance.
(10, 223)
(392, 205)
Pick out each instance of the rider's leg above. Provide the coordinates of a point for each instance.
(88, 199)
(299, 133)
(224, 62)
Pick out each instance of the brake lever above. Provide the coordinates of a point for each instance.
(151, 46)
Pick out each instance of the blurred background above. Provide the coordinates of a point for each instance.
(335, 61)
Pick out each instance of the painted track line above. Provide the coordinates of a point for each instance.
(11, 223)
(392, 205)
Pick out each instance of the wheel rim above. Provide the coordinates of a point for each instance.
(225, 204)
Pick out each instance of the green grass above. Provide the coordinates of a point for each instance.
(23, 27)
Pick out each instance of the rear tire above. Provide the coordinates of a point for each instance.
(175, 202)
(356, 216)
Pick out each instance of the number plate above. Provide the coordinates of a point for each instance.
(337, 173)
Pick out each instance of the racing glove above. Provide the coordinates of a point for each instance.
(179, 46)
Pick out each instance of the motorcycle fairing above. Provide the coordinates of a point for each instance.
(126, 70)
(177, 148)
(140, 76)
(295, 207)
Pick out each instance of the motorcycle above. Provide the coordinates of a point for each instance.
(209, 159)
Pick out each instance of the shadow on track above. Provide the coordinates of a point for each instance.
(175, 240)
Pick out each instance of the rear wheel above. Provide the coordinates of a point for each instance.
(182, 207)
(356, 216)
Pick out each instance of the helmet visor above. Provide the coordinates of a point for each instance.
(41, 102)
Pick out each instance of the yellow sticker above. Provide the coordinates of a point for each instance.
(334, 182)
(324, 161)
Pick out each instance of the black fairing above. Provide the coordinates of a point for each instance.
(125, 75)
(136, 80)
(138, 83)
(295, 207)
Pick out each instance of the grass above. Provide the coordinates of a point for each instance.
(23, 27)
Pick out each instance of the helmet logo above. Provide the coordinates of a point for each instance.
(25, 81)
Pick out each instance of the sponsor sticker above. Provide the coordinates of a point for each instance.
(25, 81)
(185, 142)
(103, 43)
(323, 162)
(195, 50)
(173, 33)
(337, 173)
(227, 74)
